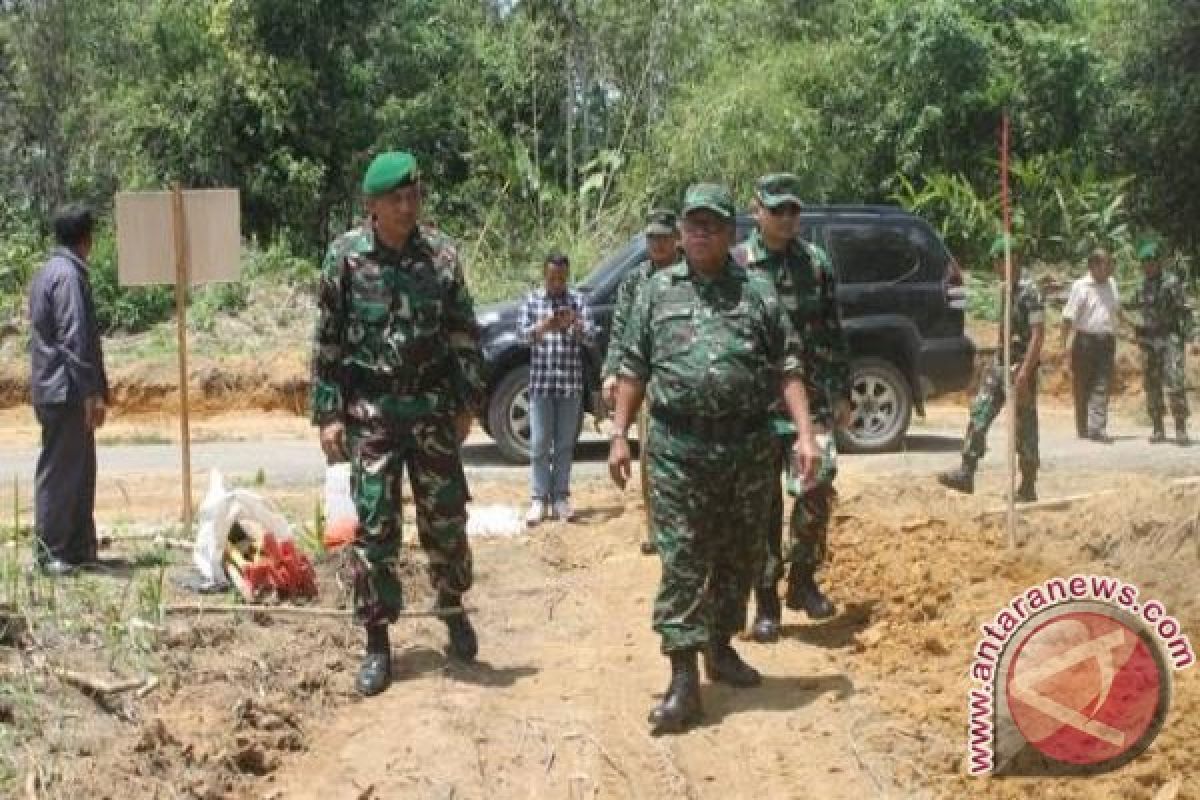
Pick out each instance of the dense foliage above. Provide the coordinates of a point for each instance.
(555, 123)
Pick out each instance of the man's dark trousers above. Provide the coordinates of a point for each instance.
(66, 485)
(1092, 357)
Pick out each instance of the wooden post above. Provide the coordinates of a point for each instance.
(1007, 326)
(182, 272)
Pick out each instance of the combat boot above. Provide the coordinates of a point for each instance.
(680, 705)
(1181, 434)
(724, 665)
(803, 594)
(767, 614)
(1159, 435)
(375, 674)
(1027, 491)
(463, 643)
(960, 480)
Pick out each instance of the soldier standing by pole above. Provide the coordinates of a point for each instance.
(1163, 336)
(710, 345)
(662, 250)
(396, 383)
(1027, 334)
(807, 288)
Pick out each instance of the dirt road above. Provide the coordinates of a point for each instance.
(869, 704)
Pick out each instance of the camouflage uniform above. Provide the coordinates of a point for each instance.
(804, 279)
(711, 354)
(396, 358)
(627, 294)
(1027, 311)
(1163, 335)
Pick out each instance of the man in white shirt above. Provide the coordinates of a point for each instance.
(1092, 312)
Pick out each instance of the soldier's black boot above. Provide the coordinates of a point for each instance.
(724, 665)
(1159, 435)
(1181, 434)
(680, 705)
(1027, 490)
(803, 594)
(375, 674)
(960, 480)
(464, 645)
(767, 614)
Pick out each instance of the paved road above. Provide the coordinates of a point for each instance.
(932, 445)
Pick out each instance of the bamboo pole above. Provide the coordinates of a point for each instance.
(1010, 449)
(301, 611)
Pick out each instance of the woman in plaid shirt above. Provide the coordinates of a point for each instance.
(556, 324)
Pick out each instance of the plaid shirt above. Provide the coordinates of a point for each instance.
(556, 358)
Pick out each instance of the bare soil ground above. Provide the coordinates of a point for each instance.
(870, 704)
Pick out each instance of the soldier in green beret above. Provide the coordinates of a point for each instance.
(709, 345)
(396, 382)
(662, 250)
(807, 286)
(1163, 335)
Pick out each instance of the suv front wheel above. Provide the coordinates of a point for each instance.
(882, 405)
(508, 420)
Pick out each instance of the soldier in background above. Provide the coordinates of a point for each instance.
(807, 288)
(662, 250)
(396, 383)
(710, 345)
(1028, 332)
(1163, 336)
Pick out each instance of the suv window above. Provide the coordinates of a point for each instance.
(874, 253)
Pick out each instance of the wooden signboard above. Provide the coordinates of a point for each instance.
(184, 238)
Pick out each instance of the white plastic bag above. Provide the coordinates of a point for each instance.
(221, 508)
(339, 502)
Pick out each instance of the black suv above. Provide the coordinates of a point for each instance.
(902, 302)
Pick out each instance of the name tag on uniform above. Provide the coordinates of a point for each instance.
(402, 307)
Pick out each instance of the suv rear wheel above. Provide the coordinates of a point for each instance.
(882, 407)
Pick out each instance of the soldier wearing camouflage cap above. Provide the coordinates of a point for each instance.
(807, 286)
(1163, 335)
(662, 250)
(709, 345)
(396, 382)
(1028, 332)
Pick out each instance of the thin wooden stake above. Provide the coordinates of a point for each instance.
(182, 271)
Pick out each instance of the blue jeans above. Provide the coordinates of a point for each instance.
(554, 424)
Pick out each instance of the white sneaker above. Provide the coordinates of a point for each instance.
(536, 513)
(563, 511)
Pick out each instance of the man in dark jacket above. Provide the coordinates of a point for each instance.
(70, 394)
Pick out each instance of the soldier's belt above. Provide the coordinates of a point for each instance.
(714, 429)
(370, 383)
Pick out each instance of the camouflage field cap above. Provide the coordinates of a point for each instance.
(660, 222)
(390, 171)
(1149, 248)
(778, 189)
(710, 197)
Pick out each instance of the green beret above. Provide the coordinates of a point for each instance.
(389, 171)
(998, 244)
(710, 196)
(778, 189)
(660, 222)
(1149, 248)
